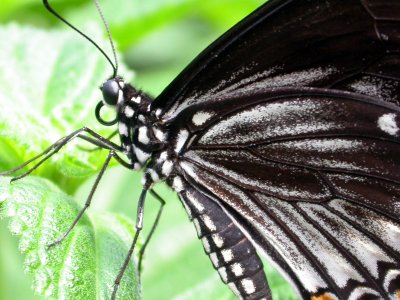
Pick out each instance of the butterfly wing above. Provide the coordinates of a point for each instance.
(352, 46)
(312, 177)
(292, 122)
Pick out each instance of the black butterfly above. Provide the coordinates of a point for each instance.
(283, 135)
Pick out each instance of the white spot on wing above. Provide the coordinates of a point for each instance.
(201, 117)
(387, 123)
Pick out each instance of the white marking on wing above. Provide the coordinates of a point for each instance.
(380, 226)
(260, 122)
(335, 264)
(208, 222)
(387, 123)
(367, 252)
(362, 291)
(199, 118)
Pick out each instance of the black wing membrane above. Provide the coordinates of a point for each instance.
(312, 177)
(293, 130)
(350, 45)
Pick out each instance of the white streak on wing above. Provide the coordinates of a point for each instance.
(128, 112)
(382, 227)
(387, 123)
(301, 78)
(347, 147)
(367, 252)
(181, 140)
(143, 137)
(248, 286)
(360, 291)
(200, 117)
(266, 227)
(283, 190)
(391, 275)
(193, 200)
(214, 259)
(222, 272)
(198, 227)
(234, 289)
(187, 208)
(333, 261)
(206, 244)
(123, 129)
(262, 80)
(260, 123)
(208, 222)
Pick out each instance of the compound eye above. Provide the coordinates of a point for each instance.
(110, 90)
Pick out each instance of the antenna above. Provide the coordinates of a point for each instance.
(114, 66)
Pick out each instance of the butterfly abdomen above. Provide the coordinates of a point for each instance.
(231, 253)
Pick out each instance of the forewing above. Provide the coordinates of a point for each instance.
(312, 175)
(350, 45)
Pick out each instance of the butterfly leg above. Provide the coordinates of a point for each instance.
(139, 226)
(98, 146)
(95, 139)
(88, 201)
(153, 228)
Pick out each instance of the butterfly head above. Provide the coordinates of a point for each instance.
(111, 90)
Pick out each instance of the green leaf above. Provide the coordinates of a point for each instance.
(47, 91)
(86, 263)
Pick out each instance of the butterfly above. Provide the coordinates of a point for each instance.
(281, 139)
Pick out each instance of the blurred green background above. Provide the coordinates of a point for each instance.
(155, 40)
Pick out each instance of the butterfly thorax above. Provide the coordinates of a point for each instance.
(143, 135)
